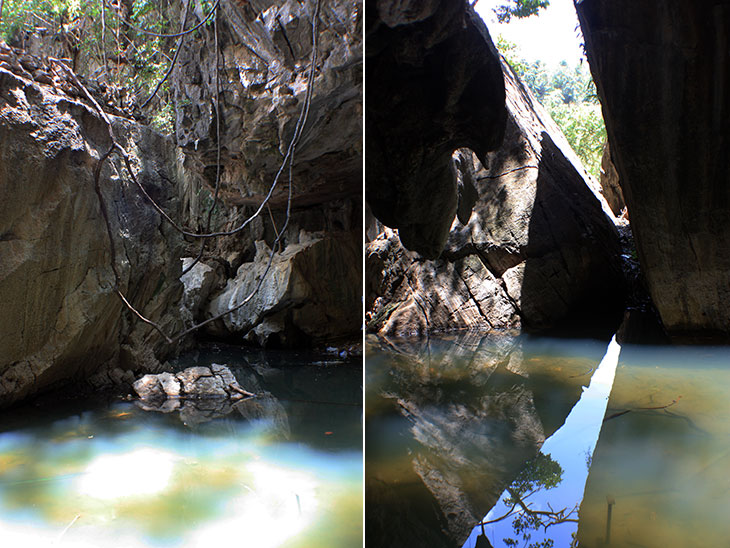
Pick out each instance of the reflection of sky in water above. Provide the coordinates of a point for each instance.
(572, 447)
(120, 477)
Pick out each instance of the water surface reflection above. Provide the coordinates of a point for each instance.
(110, 474)
(450, 423)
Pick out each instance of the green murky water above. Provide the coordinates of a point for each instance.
(520, 433)
(286, 471)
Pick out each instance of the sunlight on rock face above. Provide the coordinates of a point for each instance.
(139, 473)
(280, 504)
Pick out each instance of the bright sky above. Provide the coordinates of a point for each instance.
(550, 36)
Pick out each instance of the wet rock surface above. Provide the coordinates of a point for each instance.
(434, 85)
(662, 75)
(200, 394)
(62, 317)
(539, 248)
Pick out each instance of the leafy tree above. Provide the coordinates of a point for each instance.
(569, 95)
(519, 8)
(103, 46)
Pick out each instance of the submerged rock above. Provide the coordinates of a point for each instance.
(539, 248)
(662, 73)
(61, 316)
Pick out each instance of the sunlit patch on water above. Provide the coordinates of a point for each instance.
(119, 477)
(139, 473)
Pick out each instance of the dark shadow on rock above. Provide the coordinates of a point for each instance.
(572, 277)
(434, 85)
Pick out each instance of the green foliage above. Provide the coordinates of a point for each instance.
(519, 8)
(127, 62)
(569, 95)
(541, 473)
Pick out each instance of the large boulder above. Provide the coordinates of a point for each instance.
(310, 292)
(61, 316)
(663, 76)
(540, 247)
(434, 85)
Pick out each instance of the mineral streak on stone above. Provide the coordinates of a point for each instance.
(434, 85)
(662, 72)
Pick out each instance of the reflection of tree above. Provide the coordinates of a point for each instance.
(541, 473)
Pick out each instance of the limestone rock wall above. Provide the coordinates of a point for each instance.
(539, 248)
(61, 317)
(434, 85)
(610, 186)
(264, 56)
(663, 76)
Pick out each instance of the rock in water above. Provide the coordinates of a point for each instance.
(216, 381)
(539, 248)
(61, 317)
(201, 394)
(662, 72)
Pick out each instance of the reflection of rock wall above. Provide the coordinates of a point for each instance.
(61, 317)
(539, 247)
(447, 431)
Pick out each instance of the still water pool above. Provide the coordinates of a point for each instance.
(282, 470)
(536, 442)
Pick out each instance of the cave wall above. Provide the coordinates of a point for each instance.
(434, 85)
(662, 71)
(264, 54)
(61, 318)
(536, 247)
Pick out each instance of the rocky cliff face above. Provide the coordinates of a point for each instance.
(264, 54)
(662, 73)
(61, 317)
(610, 186)
(434, 85)
(539, 247)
